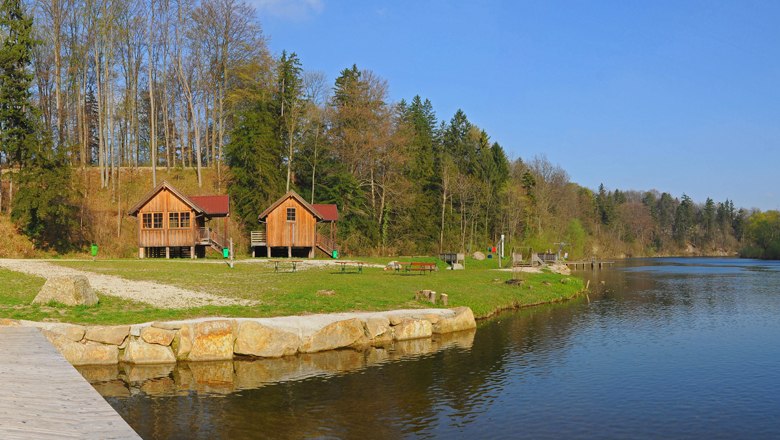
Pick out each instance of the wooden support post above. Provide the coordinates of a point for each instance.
(289, 251)
(192, 251)
(141, 253)
(167, 252)
(268, 251)
(311, 252)
(445, 299)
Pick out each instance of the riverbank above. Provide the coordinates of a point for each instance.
(313, 289)
(209, 339)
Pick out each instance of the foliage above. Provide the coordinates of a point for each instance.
(43, 208)
(254, 157)
(18, 131)
(763, 234)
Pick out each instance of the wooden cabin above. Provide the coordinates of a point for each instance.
(171, 224)
(293, 227)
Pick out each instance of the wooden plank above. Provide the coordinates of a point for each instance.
(43, 397)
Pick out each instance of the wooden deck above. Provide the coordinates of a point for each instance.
(43, 397)
(593, 264)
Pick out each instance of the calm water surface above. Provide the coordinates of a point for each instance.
(666, 348)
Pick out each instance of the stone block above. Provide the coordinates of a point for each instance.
(255, 339)
(113, 335)
(154, 335)
(212, 341)
(413, 329)
(463, 319)
(340, 334)
(139, 352)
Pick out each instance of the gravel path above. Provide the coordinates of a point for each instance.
(159, 295)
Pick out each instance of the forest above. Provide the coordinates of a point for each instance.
(190, 86)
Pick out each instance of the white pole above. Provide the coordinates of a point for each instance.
(231, 253)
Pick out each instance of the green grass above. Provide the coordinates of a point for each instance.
(285, 293)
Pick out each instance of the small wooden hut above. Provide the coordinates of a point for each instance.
(294, 227)
(171, 224)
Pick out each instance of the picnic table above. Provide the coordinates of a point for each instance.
(415, 266)
(293, 264)
(345, 264)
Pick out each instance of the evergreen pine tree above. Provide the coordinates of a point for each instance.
(17, 123)
(41, 209)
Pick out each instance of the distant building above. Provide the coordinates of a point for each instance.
(295, 228)
(171, 224)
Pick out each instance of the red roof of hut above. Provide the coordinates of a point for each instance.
(328, 212)
(213, 205)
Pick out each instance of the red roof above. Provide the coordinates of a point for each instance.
(329, 213)
(213, 205)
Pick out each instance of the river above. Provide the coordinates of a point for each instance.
(661, 348)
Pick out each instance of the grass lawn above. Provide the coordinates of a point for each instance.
(286, 293)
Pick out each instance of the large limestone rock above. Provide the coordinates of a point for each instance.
(159, 336)
(462, 320)
(182, 341)
(73, 332)
(479, 256)
(379, 330)
(211, 341)
(113, 335)
(78, 353)
(255, 339)
(340, 334)
(71, 291)
(413, 329)
(139, 352)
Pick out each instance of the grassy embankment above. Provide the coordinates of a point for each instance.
(478, 287)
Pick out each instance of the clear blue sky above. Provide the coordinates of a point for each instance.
(678, 96)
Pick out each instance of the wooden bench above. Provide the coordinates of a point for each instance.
(420, 266)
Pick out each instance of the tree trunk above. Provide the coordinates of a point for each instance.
(152, 113)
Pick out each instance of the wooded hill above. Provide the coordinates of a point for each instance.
(100, 101)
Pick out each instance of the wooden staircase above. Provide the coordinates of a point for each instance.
(326, 245)
(209, 237)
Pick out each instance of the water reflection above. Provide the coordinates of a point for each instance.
(659, 349)
(224, 377)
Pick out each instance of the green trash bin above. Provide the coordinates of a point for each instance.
(225, 252)
(335, 254)
(94, 249)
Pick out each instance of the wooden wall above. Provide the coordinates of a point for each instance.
(165, 202)
(280, 231)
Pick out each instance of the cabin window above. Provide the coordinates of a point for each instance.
(290, 214)
(178, 220)
(157, 220)
(153, 220)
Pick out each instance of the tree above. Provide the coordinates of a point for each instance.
(684, 220)
(291, 104)
(253, 155)
(763, 234)
(17, 122)
(42, 208)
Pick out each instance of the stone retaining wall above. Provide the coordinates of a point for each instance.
(224, 377)
(219, 339)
